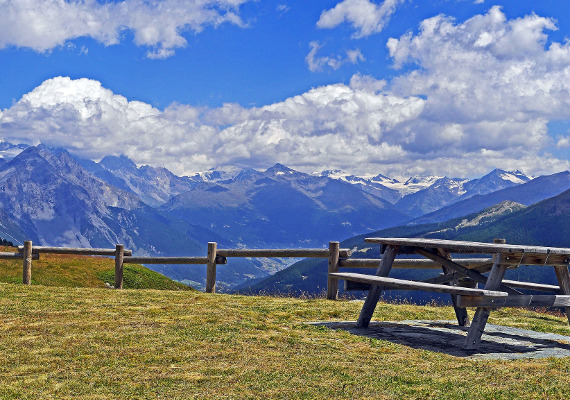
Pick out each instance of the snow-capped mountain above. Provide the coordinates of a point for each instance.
(9, 150)
(527, 193)
(52, 198)
(283, 207)
(446, 191)
(216, 174)
(493, 181)
(382, 186)
(440, 193)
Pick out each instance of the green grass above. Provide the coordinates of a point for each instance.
(84, 271)
(96, 343)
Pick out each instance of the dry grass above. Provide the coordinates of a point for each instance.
(96, 343)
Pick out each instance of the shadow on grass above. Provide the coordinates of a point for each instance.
(498, 342)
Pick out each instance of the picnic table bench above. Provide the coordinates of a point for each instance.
(461, 281)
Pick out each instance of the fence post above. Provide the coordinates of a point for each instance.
(27, 263)
(332, 284)
(119, 253)
(211, 271)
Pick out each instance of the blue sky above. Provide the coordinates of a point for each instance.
(398, 87)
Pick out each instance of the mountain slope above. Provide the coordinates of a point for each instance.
(47, 197)
(545, 223)
(310, 276)
(527, 193)
(56, 201)
(154, 186)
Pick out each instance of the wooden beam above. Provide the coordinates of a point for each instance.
(27, 262)
(532, 286)
(457, 246)
(119, 254)
(563, 276)
(277, 253)
(413, 285)
(444, 278)
(460, 312)
(476, 276)
(482, 314)
(76, 250)
(412, 263)
(16, 256)
(166, 260)
(211, 269)
(515, 301)
(375, 290)
(332, 284)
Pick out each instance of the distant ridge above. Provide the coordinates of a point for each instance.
(527, 193)
(544, 223)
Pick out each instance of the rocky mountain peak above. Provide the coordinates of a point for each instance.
(114, 163)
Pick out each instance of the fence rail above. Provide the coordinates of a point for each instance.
(215, 257)
(74, 250)
(15, 256)
(337, 258)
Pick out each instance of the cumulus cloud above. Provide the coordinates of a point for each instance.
(364, 16)
(467, 102)
(43, 25)
(334, 122)
(496, 81)
(316, 63)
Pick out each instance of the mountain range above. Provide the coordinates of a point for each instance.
(53, 198)
(544, 223)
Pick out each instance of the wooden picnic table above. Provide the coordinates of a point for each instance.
(461, 282)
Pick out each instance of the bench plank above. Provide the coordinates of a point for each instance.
(413, 285)
(541, 300)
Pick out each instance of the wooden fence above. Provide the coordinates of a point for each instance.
(337, 258)
(215, 256)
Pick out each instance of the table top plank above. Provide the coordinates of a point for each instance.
(457, 246)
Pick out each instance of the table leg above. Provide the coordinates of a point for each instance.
(460, 312)
(564, 282)
(375, 290)
(482, 314)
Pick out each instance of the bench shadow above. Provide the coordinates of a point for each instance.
(498, 342)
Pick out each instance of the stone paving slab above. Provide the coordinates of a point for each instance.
(498, 342)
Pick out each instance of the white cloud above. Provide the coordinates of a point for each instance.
(563, 142)
(334, 122)
(468, 103)
(366, 82)
(43, 25)
(316, 63)
(366, 17)
(497, 81)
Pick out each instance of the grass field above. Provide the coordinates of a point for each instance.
(97, 343)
